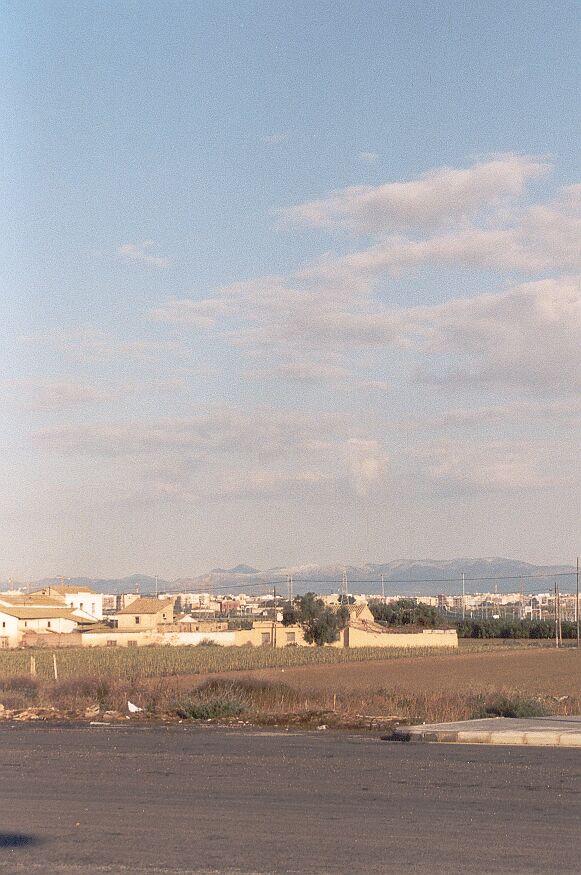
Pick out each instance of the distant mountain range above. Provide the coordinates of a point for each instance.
(427, 577)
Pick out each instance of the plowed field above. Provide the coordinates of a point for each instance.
(530, 671)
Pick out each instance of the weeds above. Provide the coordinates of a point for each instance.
(512, 706)
(213, 708)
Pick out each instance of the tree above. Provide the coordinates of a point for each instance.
(323, 629)
(321, 624)
(290, 614)
(404, 612)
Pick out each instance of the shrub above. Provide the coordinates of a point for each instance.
(217, 707)
(505, 706)
(71, 692)
(23, 684)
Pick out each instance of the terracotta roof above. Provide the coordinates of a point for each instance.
(146, 606)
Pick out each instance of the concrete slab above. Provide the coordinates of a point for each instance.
(540, 731)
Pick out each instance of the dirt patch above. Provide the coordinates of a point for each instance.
(534, 672)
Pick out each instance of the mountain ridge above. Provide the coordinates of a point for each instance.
(402, 577)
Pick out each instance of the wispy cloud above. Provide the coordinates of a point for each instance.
(566, 410)
(434, 199)
(368, 157)
(141, 252)
(230, 453)
(485, 466)
(367, 464)
(275, 138)
(199, 314)
(315, 323)
(89, 342)
(44, 394)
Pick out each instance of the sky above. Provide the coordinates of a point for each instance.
(288, 283)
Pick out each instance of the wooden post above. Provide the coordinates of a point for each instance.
(32, 667)
(56, 674)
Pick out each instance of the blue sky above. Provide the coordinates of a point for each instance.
(288, 283)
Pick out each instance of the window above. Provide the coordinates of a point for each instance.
(137, 621)
(4, 643)
(132, 643)
(111, 643)
(290, 637)
(265, 638)
(3, 624)
(48, 625)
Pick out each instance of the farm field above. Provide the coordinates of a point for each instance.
(294, 685)
(122, 663)
(433, 688)
(533, 671)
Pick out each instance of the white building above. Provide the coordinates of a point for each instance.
(22, 613)
(77, 598)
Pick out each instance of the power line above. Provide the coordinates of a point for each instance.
(343, 581)
(439, 579)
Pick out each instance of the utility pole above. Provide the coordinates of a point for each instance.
(463, 596)
(156, 586)
(577, 600)
(274, 625)
(560, 617)
(556, 618)
(343, 588)
(382, 590)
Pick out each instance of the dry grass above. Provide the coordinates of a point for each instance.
(298, 686)
(247, 699)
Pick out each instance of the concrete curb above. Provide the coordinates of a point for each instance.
(542, 732)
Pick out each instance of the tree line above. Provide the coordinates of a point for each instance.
(514, 629)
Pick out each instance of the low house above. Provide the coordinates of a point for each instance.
(362, 631)
(270, 634)
(78, 598)
(145, 614)
(35, 613)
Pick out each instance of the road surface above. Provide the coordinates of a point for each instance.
(183, 799)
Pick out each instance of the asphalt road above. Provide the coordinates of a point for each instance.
(206, 800)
